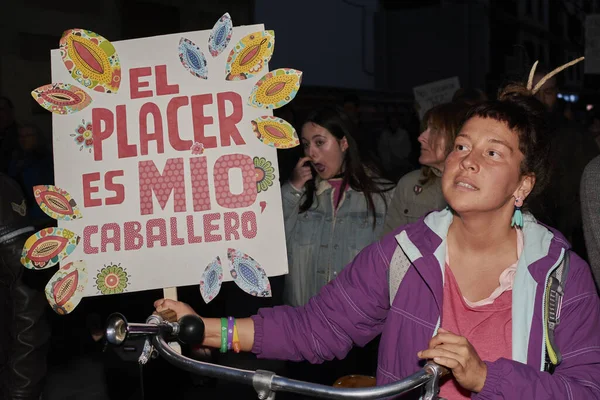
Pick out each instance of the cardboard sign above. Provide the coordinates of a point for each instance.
(434, 93)
(161, 156)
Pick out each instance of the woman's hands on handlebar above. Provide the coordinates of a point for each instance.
(212, 326)
(179, 307)
(458, 354)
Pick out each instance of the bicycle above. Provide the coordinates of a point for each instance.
(190, 330)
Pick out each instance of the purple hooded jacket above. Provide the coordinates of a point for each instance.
(355, 307)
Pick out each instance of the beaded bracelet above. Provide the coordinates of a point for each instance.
(223, 335)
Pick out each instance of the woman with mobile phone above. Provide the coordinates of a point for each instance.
(333, 205)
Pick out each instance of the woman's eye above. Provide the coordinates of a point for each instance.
(319, 143)
(492, 153)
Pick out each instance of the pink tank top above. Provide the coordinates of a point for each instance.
(487, 324)
(337, 192)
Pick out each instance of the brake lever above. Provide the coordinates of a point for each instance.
(148, 352)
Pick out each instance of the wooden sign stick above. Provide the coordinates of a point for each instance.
(169, 315)
(170, 293)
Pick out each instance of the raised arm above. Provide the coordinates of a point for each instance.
(349, 310)
(291, 195)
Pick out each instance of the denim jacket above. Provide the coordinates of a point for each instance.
(319, 243)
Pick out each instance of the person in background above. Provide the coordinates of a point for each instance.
(32, 165)
(473, 299)
(590, 212)
(24, 329)
(420, 191)
(333, 207)
(593, 126)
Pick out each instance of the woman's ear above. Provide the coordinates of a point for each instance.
(526, 186)
(344, 144)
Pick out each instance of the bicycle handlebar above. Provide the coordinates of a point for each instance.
(264, 382)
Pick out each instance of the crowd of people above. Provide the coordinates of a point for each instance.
(484, 201)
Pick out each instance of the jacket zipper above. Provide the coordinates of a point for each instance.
(544, 316)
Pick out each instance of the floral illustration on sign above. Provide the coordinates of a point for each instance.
(275, 132)
(61, 98)
(83, 136)
(248, 274)
(265, 174)
(197, 149)
(48, 247)
(192, 58)
(210, 283)
(276, 89)
(220, 35)
(57, 203)
(112, 279)
(250, 55)
(91, 60)
(65, 289)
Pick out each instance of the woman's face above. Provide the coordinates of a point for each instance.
(326, 152)
(433, 150)
(483, 171)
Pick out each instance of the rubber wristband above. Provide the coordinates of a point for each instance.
(236, 340)
(230, 324)
(223, 335)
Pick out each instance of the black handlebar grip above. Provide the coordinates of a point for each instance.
(191, 329)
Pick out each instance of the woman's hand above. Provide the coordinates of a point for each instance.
(301, 174)
(200, 352)
(212, 326)
(456, 353)
(179, 307)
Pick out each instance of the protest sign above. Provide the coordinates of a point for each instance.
(434, 93)
(165, 163)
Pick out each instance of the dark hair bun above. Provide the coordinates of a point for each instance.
(513, 90)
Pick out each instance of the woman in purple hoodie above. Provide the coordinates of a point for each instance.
(473, 297)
